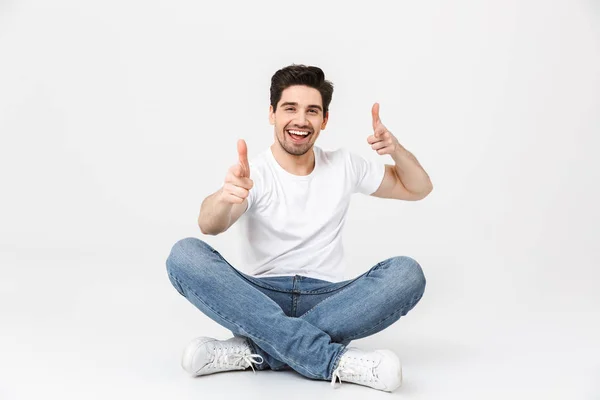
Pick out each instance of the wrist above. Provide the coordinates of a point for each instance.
(399, 153)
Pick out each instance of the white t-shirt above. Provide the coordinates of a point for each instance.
(293, 223)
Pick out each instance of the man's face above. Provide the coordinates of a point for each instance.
(299, 110)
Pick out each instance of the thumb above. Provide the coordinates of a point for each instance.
(243, 157)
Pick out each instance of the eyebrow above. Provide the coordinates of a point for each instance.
(289, 103)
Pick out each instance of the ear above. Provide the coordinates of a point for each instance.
(271, 115)
(325, 120)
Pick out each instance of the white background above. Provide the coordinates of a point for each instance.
(118, 118)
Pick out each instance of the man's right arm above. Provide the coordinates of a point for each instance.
(216, 215)
(221, 209)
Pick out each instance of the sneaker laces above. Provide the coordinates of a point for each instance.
(240, 358)
(359, 368)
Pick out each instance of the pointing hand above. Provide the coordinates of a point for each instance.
(237, 185)
(243, 157)
(382, 140)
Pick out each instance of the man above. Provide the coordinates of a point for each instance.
(293, 309)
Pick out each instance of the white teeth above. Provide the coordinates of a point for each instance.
(300, 133)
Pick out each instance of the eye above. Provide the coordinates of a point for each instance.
(289, 109)
(313, 111)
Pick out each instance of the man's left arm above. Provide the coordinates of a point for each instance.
(406, 180)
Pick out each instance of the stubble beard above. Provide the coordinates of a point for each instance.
(292, 148)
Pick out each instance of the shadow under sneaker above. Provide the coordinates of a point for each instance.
(379, 369)
(204, 355)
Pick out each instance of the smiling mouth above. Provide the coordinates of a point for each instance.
(298, 136)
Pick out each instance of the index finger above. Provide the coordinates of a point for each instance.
(243, 156)
(375, 114)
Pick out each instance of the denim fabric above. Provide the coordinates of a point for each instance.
(295, 322)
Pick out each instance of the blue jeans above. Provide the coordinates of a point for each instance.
(295, 322)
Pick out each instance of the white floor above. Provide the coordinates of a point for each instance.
(91, 328)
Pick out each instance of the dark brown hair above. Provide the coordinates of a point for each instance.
(298, 74)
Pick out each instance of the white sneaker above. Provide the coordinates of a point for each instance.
(379, 369)
(206, 355)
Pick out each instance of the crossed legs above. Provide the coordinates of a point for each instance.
(312, 343)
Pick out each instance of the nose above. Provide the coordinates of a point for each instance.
(300, 119)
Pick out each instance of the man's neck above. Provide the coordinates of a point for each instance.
(296, 165)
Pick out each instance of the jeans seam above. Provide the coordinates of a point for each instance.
(322, 291)
(325, 300)
(400, 311)
(261, 284)
(239, 326)
(342, 289)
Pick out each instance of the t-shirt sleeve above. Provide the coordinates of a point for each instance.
(366, 175)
